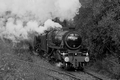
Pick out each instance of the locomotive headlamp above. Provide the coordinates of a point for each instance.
(64, 54)
(66, 59)
(87, 54)
(86, 59)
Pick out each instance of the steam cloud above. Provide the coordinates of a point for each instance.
(19, 17)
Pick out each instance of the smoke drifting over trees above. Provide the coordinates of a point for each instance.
(18, 17)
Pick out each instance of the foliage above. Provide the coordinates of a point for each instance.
(100, 25)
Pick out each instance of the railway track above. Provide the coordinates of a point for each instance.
(54, 74)
(98, 78)
(77, 74)
(63, 75)
(57, 74)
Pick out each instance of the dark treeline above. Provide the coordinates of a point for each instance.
(99, 23)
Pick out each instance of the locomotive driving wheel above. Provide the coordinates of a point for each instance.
(54, 56)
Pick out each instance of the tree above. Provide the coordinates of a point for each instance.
(100, 26)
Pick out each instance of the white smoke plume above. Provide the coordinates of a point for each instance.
(19, 17)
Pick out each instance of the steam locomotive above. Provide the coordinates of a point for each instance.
(63, 46)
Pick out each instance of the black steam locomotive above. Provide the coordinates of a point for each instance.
(63, 46)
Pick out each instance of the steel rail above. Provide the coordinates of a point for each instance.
(48, 69)
(65, 73)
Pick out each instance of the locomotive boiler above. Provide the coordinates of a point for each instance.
(63, 46)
